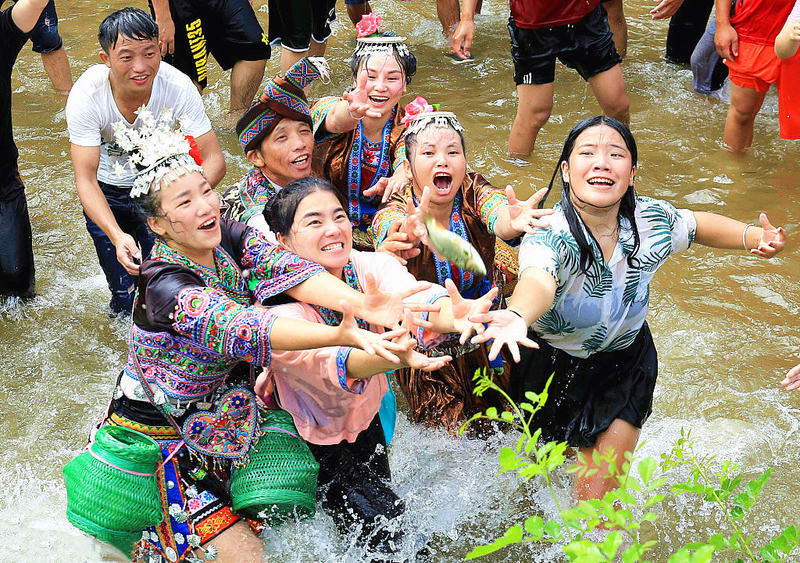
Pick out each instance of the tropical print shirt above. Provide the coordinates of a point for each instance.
(603, 309)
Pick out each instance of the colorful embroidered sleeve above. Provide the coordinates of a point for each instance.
(399, 153)
(382, 221)
(213, 320)
(490, 201)
(319, 111)
(273, 269)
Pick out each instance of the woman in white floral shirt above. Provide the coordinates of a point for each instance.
(584, 289)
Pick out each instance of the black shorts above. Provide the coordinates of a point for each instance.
(294, 23)
(228, 29)
(586, 46)
(588, 394)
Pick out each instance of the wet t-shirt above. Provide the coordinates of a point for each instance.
(11, 42)
(602, 309)
(535, 14)
(760, 21)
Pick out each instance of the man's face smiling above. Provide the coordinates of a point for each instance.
(133, 63)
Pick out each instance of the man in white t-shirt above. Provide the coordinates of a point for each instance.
(132, 76)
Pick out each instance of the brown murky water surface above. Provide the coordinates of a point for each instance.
(726, 324)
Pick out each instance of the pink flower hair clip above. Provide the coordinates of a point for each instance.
(415, 107)
(369, 25)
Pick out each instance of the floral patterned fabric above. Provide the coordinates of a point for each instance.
(248, 198)
(604, 308)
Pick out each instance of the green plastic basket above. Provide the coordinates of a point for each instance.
(114, 498)
(279, 481)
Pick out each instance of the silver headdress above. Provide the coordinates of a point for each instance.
(156, 151)
(381, 45)
(445, 119)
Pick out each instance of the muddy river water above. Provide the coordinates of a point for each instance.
(725, 323)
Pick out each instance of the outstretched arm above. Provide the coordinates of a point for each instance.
(520, 216)
(25, 13)
(719, 231)
(533, 296)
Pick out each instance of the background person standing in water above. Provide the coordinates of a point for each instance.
(584, 291)
(16, 241)
(574, 31)
(131, 76)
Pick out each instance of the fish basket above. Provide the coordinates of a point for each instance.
(279, 481)
(506, 264)
(112, 491)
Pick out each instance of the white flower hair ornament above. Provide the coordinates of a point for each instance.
(155, 149)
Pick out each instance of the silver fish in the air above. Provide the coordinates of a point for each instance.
(452, 247)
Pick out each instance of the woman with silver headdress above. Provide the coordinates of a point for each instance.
(194, 328)
(359, 135)
(464, 203)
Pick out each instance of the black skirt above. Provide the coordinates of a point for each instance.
(588, 394)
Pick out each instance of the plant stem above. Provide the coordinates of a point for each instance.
(742, 544)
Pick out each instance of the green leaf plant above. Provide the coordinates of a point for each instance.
(608, 529)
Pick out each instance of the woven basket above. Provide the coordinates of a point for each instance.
(506, 263)
(279, 481)
(116, 497)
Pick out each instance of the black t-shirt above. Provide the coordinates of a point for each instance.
(11, 42)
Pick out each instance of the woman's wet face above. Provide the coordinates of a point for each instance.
(438, 162)
(285, 154)
(600, 168)
(386, 82)
(321, 232)
(190, 216)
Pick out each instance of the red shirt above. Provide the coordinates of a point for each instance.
(535, 14)
(760, 21)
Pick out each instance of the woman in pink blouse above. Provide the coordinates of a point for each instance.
(334, 394)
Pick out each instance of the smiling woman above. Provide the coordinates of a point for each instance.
(584, 292)
(194, 328)
(360, 148)
(467, 205)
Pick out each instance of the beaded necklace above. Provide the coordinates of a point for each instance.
(354, 169)
(226, 276)
(334, 318)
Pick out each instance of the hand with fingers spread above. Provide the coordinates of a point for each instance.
(397, 244)
(525, 216)
(504, 328)
(358, 106)
(463, 309)
(386, 309)
(410, 357)
(792, 379)
(414, 225)
(382, 345)
(772, 241)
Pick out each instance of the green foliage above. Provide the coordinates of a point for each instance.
(607, 529)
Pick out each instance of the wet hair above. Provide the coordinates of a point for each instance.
(627, 203)
(412, 140)
(282, 207)
(129, 22)
(407, 62)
